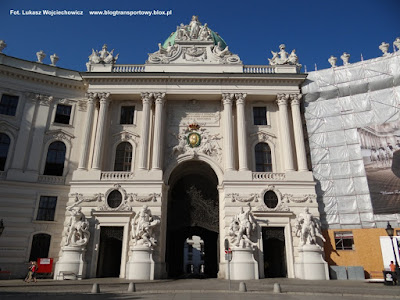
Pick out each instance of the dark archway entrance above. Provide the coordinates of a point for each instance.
(110, 250)
(274, 252)
(193, 209)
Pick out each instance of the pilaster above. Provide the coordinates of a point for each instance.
(241, 130)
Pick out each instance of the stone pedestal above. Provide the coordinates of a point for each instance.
(243, 265)
(141, 264)
(311, 264)
(71, 264)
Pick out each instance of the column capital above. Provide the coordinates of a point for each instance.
(227, 98)
(295, 99)
(91, 96)
(146, 97)
(240, 98)
(282, 99)
(159, 98)
(104, 97)
(44, 100)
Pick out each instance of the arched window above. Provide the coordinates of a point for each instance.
(263, 158)
(270, 199)
(40, 246)
(55, 159)
(4, 145)
(123, 157)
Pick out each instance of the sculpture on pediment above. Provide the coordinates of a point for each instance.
(77, 233)
(241, 228)
(205, 33)
(308, 229)
(218, 50)
(169, 51)
(283, 58)
(142, 226)
(193, 43)
(103, 56)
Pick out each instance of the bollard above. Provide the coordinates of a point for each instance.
(277, 288)
(242, 287)
(95, 288)
(132, 287)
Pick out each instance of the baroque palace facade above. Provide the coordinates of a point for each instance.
(97, 164)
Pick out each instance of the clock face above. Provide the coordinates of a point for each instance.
(194, 139)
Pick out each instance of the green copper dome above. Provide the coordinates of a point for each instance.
(195, 31)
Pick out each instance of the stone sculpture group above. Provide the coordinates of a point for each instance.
(142, 226)
(241, 228)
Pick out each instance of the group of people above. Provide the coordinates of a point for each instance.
(31, 272)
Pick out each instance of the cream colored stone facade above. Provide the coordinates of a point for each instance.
(217, 96)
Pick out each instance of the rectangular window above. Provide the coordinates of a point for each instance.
(344, 240)
(8, 105)
(260, 115)
(127, 113)
(63, 114)
(47, 208)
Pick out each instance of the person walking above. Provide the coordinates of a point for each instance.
(28, 277)
(393, 271)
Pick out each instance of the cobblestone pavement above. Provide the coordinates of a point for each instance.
(115, 288)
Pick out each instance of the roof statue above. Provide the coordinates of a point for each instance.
(284, 58)
(103, 57)
(345, 57)
(384, 47)
(396, 44)
(2, 45)
(193, 43)
(332, 60)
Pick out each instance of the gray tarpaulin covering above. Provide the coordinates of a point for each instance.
(338, 101)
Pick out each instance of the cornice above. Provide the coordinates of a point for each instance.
(31, 76)
(196, 80)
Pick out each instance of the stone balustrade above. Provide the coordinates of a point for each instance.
(259, 176)
(46, 179)
(128, 68)
(117, 175)
(259, 69)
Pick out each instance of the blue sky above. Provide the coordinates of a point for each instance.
(316, 29)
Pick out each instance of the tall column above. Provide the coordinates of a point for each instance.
(144, 141)
(228, 138)
(298, 132)
(157, 138)
(86, 134)
(101, 125)
(241, 129)
(286, 145)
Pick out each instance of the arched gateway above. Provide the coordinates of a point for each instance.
(192, 210)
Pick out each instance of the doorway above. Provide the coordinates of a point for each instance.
(193, 210)
(274, 252)
(110, 251)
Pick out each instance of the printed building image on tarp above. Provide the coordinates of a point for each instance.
(380, 148)
(343, 105)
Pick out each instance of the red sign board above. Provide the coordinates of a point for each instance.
(45, 265)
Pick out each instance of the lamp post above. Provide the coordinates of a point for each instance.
(390, 232)
(1, 226)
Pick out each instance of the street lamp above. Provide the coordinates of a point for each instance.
(1, 226)
(390, 232)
